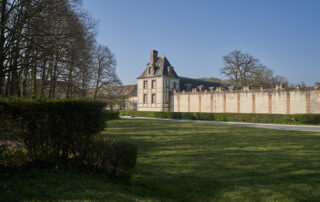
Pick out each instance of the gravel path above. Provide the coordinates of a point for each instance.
(240, 124)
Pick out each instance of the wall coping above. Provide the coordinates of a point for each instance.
(229, 91)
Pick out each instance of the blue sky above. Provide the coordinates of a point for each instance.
(196, 34)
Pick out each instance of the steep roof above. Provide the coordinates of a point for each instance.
(160, 68)
(194, 83)
(125, 90)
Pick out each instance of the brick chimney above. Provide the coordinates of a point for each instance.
(153, 56)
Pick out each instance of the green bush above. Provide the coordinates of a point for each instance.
(57, 131)
(116, 159)
(111, 115)
(233, 117)
(53, 129)
(12, 157)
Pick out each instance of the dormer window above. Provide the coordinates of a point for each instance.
(149, 70)
(174, 85)
(170, 70)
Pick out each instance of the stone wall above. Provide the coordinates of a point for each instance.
(272, 101)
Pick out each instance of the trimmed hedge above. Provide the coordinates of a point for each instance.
(54, 131)
(232, 117)
(112, 115)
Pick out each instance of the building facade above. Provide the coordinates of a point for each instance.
(159, 82)
(159, 88)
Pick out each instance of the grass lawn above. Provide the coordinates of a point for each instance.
(188, 162)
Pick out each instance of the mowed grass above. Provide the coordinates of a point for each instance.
(188, 162)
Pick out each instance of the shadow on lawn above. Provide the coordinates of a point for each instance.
(39, 184)
(280, 163)
(209, 177)
(188, 162)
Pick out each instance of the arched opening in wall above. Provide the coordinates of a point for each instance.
(149, 70)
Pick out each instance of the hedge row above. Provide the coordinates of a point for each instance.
(112, 115)
(232, 117)
(57, 131)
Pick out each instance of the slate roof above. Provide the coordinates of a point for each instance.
(184, 81)
(125, 90)
(160, 68)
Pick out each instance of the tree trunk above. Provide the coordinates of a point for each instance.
(2, 43)
(53, 80)
(34, 81)
(43, 79)
(6, 93)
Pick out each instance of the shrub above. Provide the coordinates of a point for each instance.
(51, 130)
(54, 132)
(12, 157)
(111, 115)
(235, 117)
(116, 159)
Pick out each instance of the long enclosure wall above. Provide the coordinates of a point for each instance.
(280, 101)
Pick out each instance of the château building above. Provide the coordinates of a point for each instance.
(160, 88)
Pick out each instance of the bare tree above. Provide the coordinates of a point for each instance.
(47, 49)
(242, 69)
(262, 77)
(3, 22)
(239, 68)
(104, 69)
(279, 79)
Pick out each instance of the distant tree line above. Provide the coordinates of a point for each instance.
(48, 49)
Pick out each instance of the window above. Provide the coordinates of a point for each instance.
(145, 98)
(153, 84)
(174, 85)
(145, 84)
(153, 99)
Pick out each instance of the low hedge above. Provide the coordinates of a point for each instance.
(232, 117)
(55, 131)
(111, 115)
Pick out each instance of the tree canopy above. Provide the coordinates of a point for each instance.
(48, 48)
(242, 69)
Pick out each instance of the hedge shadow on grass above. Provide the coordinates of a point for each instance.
(212, 163)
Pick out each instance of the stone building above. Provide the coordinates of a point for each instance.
(159, 81)
(160, 88)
